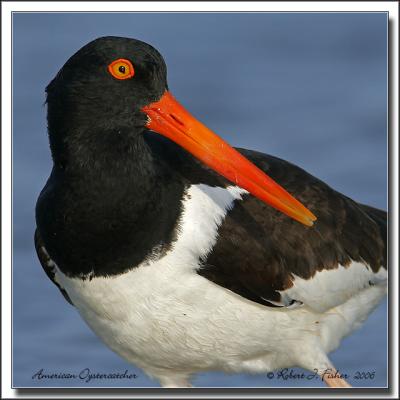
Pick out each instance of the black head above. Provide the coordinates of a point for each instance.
(88, 104)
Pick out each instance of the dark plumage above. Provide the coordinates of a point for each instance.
(260, 249)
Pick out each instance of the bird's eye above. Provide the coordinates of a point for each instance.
(121, 69)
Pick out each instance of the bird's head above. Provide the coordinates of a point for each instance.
(117, 87)
(104, 85)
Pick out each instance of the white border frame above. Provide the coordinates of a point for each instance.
(6, 142)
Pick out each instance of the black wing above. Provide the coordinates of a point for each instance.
(260, 251)
(48, 264)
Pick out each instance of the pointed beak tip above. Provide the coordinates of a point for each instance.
(310, 220)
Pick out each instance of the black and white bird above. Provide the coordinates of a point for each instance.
(182, 253)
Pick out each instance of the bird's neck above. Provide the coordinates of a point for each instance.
(112, 171)
(108, 158)
(120, 195)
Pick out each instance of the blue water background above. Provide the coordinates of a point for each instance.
(310, 88)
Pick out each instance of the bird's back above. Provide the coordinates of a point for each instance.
(263, 255)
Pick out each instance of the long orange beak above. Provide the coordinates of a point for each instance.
(172, 120)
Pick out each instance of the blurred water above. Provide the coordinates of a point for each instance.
(310, 88)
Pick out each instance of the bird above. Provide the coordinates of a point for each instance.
(184, 254)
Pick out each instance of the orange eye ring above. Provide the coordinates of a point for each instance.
(121, 69)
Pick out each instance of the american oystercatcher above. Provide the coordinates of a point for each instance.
(182, 253)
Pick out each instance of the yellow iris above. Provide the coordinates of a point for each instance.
(121, 69)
